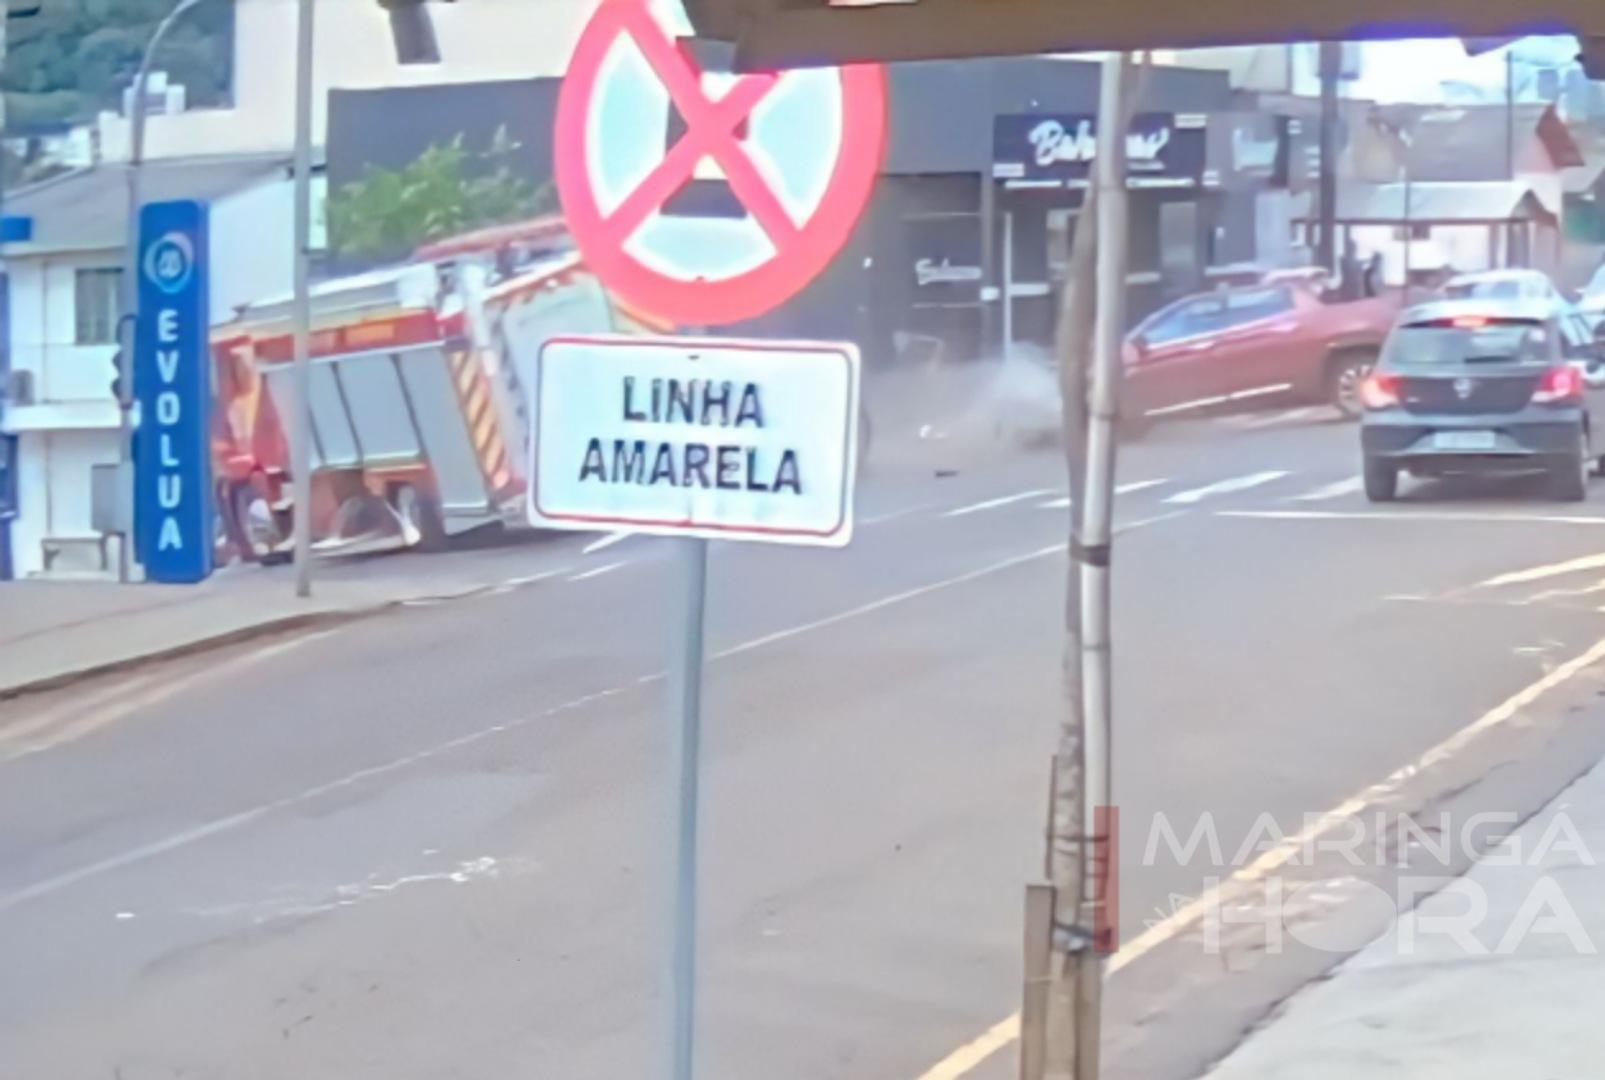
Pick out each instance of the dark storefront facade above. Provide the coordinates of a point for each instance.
(986, 169)
(1197, 183)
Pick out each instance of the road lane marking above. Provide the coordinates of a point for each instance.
(85, 716)
(1540, 573)
(972, 1054)
(893, 515)
(1220, 399)
(605, 568)
(1005, 500)
(1063, 502)
(1410, 515)
(227, 824)
(1351, 486)
(605, 542)
(1285, 418)
(888, 601)
(1226, 487)
(14, 732)
(530, 579)
(1291, 846)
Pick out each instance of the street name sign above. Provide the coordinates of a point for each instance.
(719, 439)
(173, 513)
(639, 119)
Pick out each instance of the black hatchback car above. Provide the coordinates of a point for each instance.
(1485, 386)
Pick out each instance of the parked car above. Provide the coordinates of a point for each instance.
(1485, 386)
(1504, 285)
(1244, 348)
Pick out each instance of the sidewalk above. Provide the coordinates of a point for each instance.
(1522, 1003)
(52, 631)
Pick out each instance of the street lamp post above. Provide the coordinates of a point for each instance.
(1409, 210)
(128, 323)
(301, 313)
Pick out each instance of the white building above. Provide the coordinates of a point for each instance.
(65, 283)
(478, 40)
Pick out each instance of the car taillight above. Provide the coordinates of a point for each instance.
(1559, 384)
(1379, 391)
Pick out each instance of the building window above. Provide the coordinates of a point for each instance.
(96, 300)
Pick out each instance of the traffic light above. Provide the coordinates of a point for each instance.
(118, 390)
(413, 31)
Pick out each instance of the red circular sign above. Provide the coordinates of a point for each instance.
(801, 248)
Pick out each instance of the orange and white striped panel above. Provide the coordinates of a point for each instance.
(484, 429)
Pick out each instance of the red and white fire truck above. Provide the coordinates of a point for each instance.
(420, 423)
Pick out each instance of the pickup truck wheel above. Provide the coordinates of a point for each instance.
(1345, 372)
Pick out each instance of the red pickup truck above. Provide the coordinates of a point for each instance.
(1245, 348)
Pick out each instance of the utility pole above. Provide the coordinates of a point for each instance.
(1081, 840)
(1510, 113)
(1331, 64)
(1409, 210)
(301, 317)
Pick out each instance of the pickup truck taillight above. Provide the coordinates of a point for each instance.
(1380, 390)
(1559, 386)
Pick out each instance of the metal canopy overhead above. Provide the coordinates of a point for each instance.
(800, 33)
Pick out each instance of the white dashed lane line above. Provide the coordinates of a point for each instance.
(1492, 518)
(1338, 490)
(1063, 502)
(1225, 487)
(605, 568)
(606, 542)
(1004, 500)
(1284, 418)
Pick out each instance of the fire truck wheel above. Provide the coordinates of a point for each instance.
(422, 513)
(256, 528)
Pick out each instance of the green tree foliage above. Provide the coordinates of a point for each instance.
(75, 57)
(445, 191)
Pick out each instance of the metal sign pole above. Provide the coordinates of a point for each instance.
(685, 705)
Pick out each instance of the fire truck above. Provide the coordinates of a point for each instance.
(420, 422)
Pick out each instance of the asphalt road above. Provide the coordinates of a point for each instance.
(436, 843)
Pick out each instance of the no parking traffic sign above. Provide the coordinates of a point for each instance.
(799, 150)
(738, 440)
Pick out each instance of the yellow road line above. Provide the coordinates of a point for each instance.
(966, 1058)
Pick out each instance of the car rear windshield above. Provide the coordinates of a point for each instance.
(1483, 290)
(1470, 341)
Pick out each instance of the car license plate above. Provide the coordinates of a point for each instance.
(1464, 440)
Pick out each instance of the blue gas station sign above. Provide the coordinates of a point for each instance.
(173, 526)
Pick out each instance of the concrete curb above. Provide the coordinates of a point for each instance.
(284, 624)
(238, 635)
